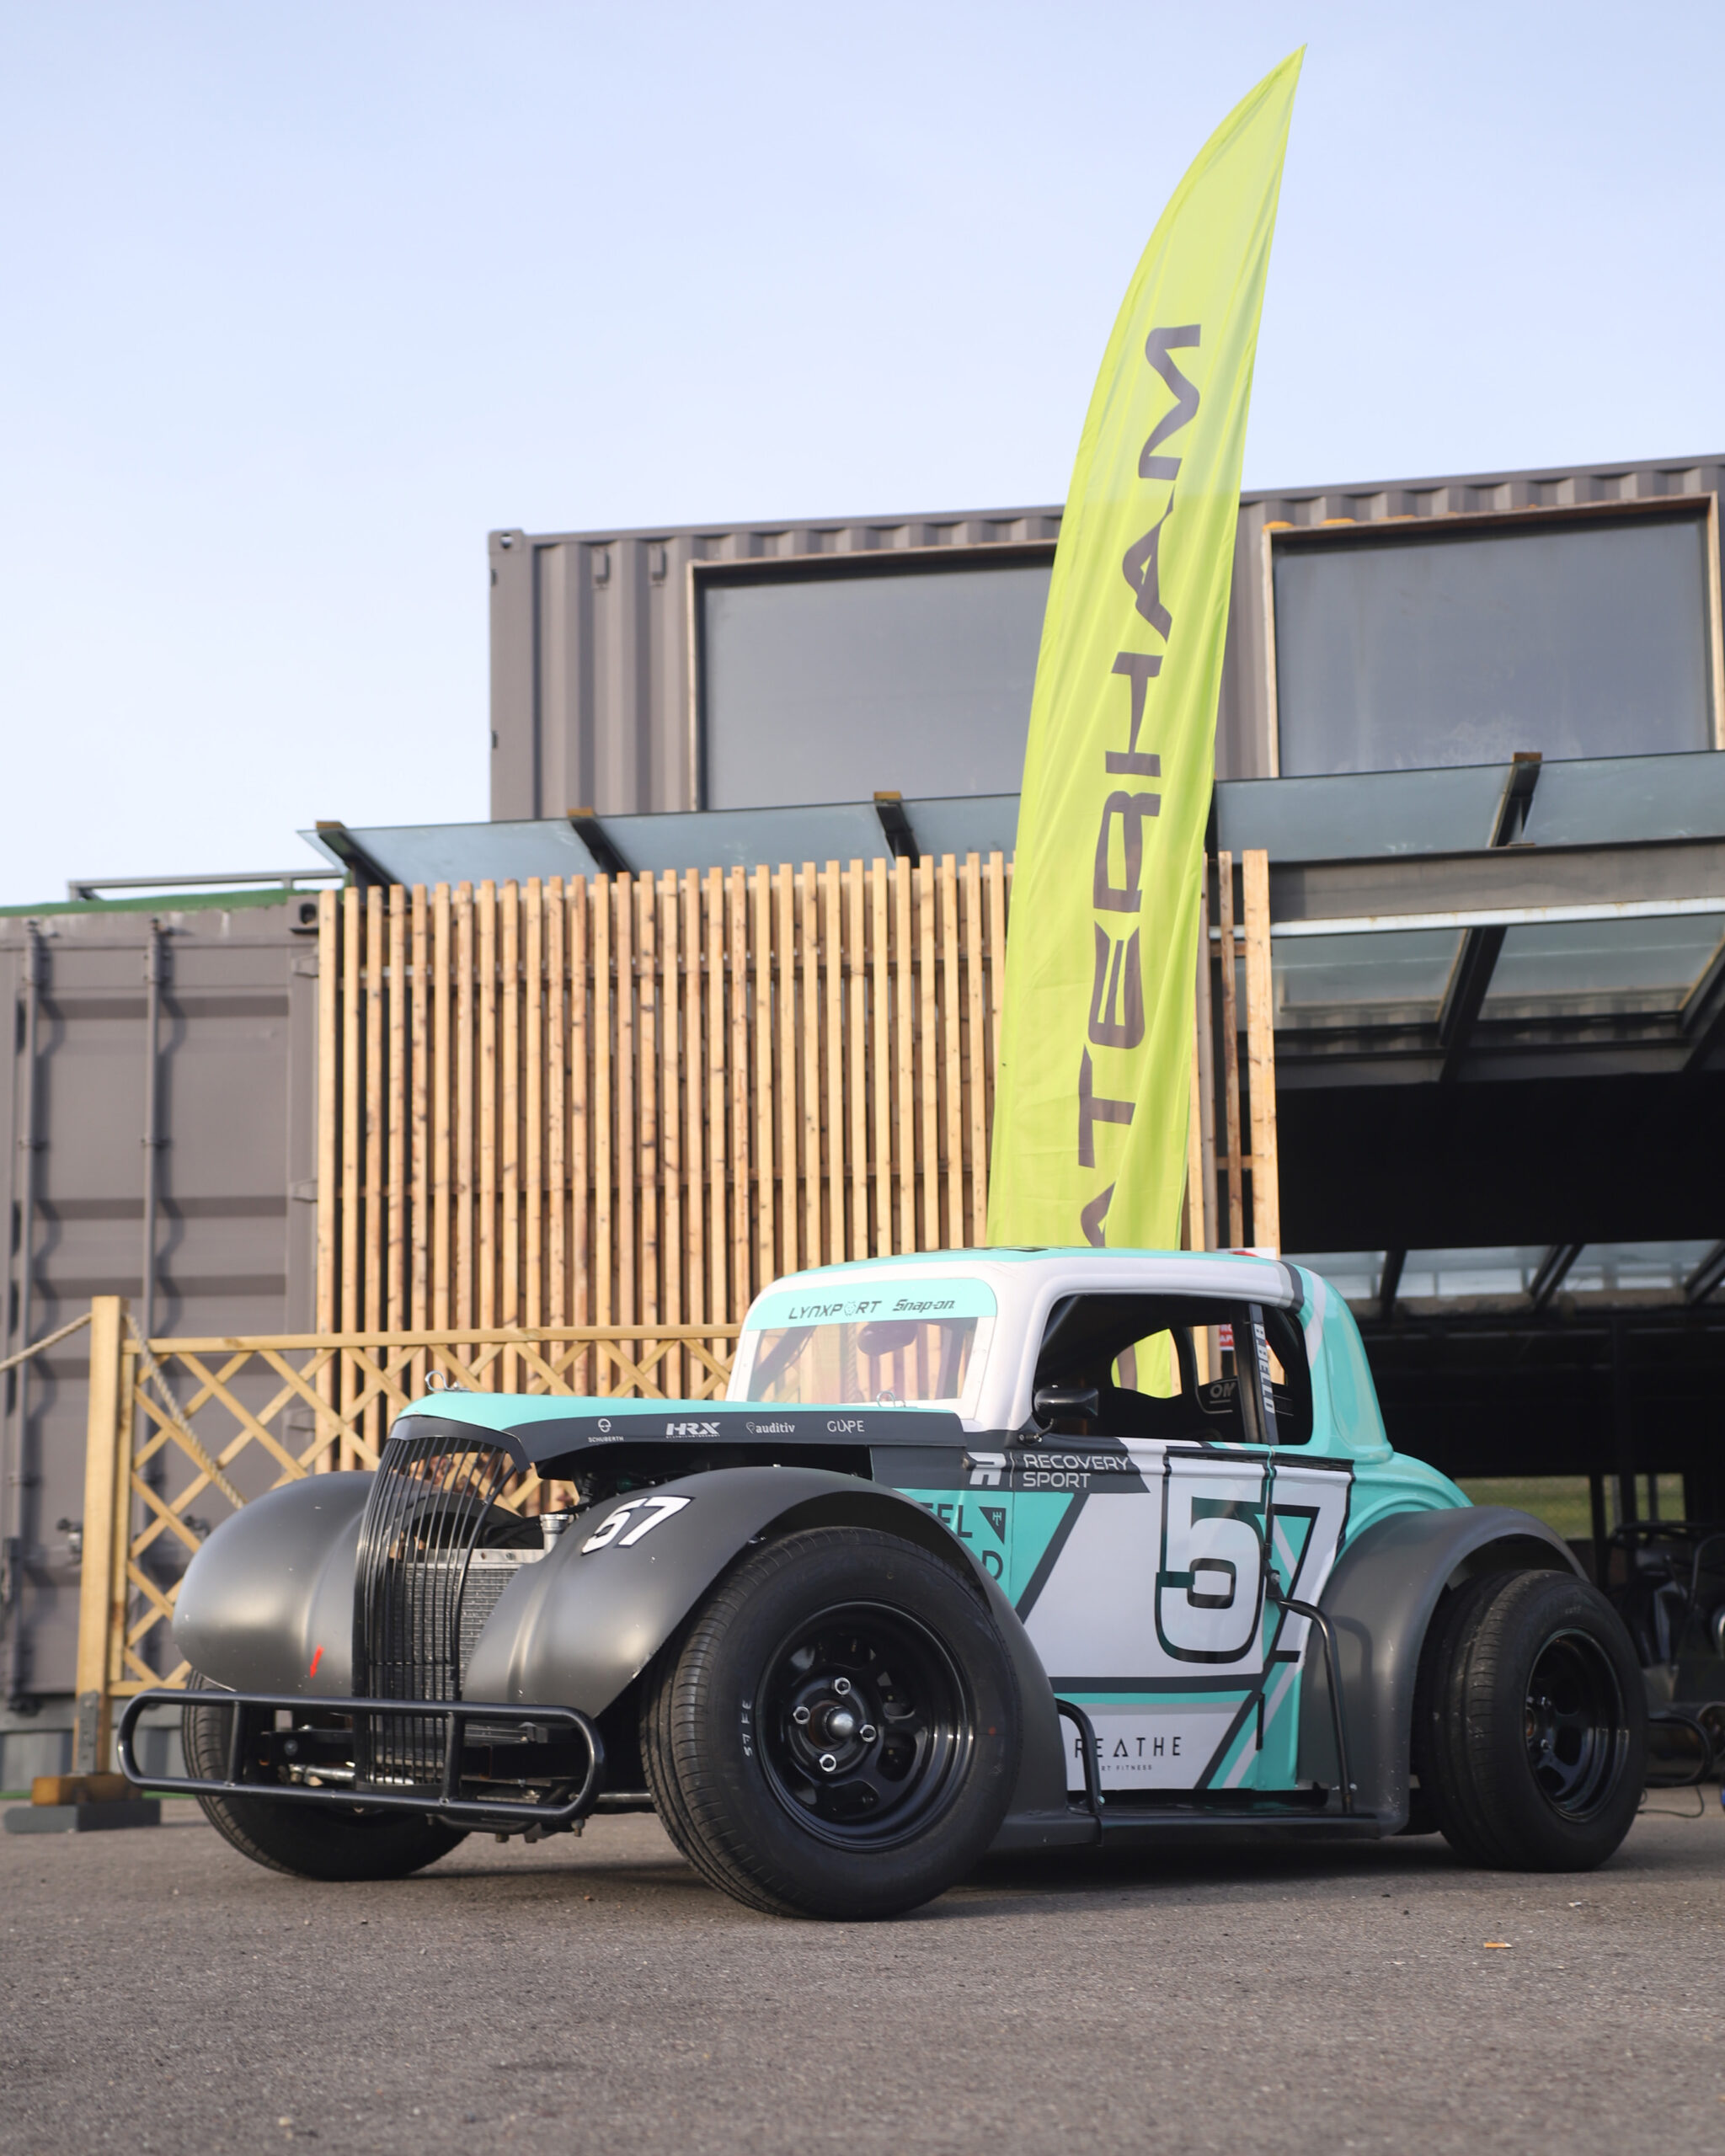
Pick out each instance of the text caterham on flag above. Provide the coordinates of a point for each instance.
(1096, 1049)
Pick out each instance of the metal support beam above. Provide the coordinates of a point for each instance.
(352, 856)
(1706, 1276)
(1602, 1534)
(896, 825)
(1623, 1427)
(1517, 798)
(598, 841)
(1703, 1015)
(1469, 978)
(1553, 1267)
(1394, 1260)
(1505, 886)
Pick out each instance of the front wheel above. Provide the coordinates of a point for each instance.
(837, 1732)
(310, 1840)
(1531, 1724)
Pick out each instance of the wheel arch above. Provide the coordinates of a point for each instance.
(1381, 1597)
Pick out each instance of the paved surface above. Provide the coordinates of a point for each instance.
(158, 1993)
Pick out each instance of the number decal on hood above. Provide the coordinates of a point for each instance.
(610, 1528)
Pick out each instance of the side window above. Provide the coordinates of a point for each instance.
(1172, 1369)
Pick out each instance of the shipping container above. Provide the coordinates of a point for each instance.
(158, 1095)
(628, 666)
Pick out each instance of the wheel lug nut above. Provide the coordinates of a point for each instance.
(828, 1764)
(867, 1732)
(800, 1716)
(843, 1686)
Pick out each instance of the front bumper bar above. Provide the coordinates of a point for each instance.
(255, 1715)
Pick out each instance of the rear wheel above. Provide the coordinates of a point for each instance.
(307, 1839)
(1531, 1724)
(837, 1734)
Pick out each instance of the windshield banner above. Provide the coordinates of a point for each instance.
(923, 1301)
(1096, 1054)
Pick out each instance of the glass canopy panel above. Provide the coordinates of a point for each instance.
(1394, 978)
(1402, 649)
(826, 686)
(749, 838)
(1363, 814)
(982, 824)
(1612, 1269)
(1599, 799)
(469, 853)
(1603, 967)
(1500, 1274)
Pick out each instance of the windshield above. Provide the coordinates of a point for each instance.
(908, 1344)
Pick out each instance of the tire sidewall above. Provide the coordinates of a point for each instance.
(784, 1587)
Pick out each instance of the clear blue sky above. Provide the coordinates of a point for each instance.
(301, 300)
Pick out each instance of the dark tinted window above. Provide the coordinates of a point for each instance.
(818, 687)
(1573, 639)
(1101, 1340)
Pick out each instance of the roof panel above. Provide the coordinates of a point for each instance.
(1639, 964)
(1598, 799)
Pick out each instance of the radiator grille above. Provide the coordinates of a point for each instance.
(430, 1508)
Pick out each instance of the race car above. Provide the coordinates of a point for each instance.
(983, 1551)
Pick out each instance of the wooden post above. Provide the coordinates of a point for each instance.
(1261, 1051)
(1230, 1052)
(328, 1106)
(101, 1611)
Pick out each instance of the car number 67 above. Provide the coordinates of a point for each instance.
(610, 1530)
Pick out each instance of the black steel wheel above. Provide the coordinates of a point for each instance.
(1530, 1723)
(864, 1725)
(304, 1839)
(1575, 1725)
(836, 1734)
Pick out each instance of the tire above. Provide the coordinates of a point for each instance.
(837, 1731)
(1531, 1724)
(304, 1838)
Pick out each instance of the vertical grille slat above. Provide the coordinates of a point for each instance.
(425, 1517)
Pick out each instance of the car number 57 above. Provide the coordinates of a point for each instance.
(639, 1516)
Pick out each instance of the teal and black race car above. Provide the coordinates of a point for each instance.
(984, 1551)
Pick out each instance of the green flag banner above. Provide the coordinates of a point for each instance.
(1096, 1042)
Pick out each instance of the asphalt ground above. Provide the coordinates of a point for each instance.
(159, 1993)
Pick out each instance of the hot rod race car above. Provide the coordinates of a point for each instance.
(984, 1550)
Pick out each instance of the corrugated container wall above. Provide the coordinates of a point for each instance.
(234, 1148)
(593, 637)
(593, 646)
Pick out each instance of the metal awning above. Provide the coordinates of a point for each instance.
(1509, 920)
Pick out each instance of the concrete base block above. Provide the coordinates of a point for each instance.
(82, 1818)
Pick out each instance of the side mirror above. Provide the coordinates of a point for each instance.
(1066, 1403)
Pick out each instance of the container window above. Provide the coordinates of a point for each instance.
(1574, 639)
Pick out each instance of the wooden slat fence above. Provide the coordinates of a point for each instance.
(637, 1100)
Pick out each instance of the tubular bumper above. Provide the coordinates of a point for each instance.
(253, 1718)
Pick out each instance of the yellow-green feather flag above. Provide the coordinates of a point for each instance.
(1096, 1046)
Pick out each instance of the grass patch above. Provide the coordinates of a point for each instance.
(1561, 1500)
